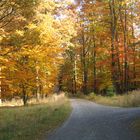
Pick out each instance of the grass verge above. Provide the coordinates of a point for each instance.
(32, 122)
(132, 99)
(136, 126)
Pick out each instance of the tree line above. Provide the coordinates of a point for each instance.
(82, 46)
(34, 35)
(106, 51)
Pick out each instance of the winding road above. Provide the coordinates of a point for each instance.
(90, 121)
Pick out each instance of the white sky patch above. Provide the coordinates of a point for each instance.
(72, 1)
(137, 30)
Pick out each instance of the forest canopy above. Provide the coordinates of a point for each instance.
(86, 46)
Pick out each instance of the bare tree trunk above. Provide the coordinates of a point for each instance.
(84, 66)
(113, 32)
(75, 75)
(24, 95)
(60, 81)
(0, 85)
(124, 27)
(134, 49)
(125, 53)
(0, 80)
(119, 71)
(94, 65)
(37, 84)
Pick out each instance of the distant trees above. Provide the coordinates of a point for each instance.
(86, 46)
(107, 47)
(32, 44)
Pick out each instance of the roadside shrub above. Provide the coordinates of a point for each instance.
(91, 96)
(110, 91)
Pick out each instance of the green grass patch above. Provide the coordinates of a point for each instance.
(136, 126)
(32, 122)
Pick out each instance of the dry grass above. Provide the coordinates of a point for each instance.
(33, 121)
(19, 102)
(132, 99)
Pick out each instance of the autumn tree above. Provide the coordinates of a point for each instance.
(34, 48)
(107, 46)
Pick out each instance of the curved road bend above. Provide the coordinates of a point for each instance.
(90, 121)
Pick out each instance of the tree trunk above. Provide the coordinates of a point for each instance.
(113, 32)
(125, 54)
(119, 70)
(24, 95)
(134, 50)
(94, 66)
(84, 66)
(37, 83)
(75, 75)
(60, 82)
(0, 80)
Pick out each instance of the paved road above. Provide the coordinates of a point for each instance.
(90, 121)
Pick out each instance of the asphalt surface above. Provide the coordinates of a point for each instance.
(90, 121)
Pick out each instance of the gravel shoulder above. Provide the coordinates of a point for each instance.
(90, 121)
